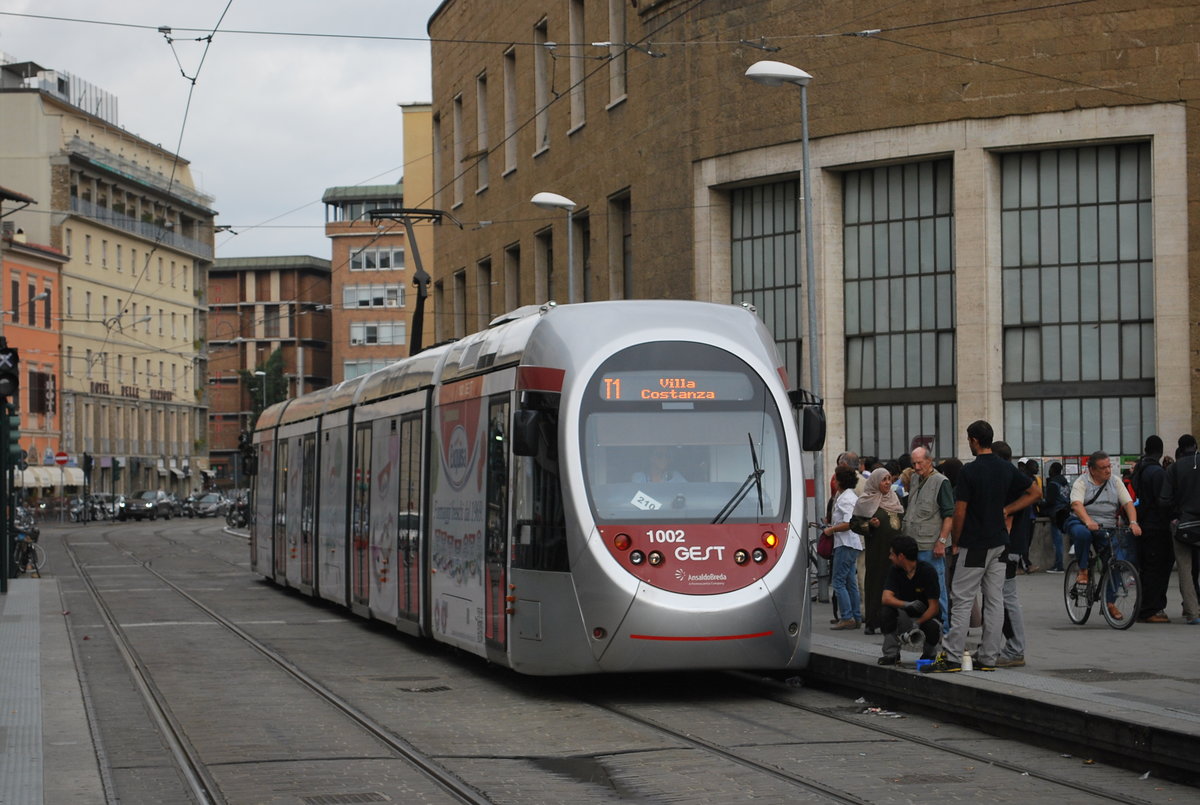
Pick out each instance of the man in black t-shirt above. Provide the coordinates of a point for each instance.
(910, 601)
(989, 491)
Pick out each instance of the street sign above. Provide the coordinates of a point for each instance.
(61, 458)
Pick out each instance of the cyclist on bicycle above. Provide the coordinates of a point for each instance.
(1096, 501)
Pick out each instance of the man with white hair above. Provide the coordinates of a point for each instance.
(928, 515)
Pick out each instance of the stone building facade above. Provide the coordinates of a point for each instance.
(138, 237)
(1000, 196)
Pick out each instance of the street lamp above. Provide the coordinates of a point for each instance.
(553, 201)
(774, 74)
(263, 385)
(30, 301)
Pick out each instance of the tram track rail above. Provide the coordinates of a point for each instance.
(200, 782)
(761, 688)
(941, 746)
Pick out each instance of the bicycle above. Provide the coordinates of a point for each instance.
(1112, 577)
(28, 556)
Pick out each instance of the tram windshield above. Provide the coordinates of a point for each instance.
(682, 432)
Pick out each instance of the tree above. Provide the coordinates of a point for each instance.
(273, 383)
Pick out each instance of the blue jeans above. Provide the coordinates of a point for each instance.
(1082, 539)
(1056, 536)
(940, 566)
(845, 582)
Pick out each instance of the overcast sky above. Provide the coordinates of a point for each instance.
(274, 119)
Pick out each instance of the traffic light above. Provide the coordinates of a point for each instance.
(87, 467)
(23, 463)
(10, 373)
(13, 449)
(249, 456)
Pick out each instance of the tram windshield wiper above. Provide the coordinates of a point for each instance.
(755, 477)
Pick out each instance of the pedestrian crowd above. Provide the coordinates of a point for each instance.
(924, 550)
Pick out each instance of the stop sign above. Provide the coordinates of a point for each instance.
(61, 458)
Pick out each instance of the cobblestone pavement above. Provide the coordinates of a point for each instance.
(518, 739)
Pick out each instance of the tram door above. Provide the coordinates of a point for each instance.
(496, 543)
(308, 506)
(279, 515)
(410, 491)
(360, 518)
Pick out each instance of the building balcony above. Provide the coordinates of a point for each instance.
(115, 163)
(143, 229)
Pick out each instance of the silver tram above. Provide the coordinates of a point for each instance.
(599, 487)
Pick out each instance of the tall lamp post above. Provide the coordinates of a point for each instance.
(553, 201)
(262, 384)
(774, 74)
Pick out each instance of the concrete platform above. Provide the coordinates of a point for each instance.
(1130, 697)
(46, 750)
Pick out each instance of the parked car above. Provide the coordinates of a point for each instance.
(149, 503)
(210, 504)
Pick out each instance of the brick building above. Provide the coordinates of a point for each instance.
(258, 305)
(1000, 196)
(29, 324)
(373, 263)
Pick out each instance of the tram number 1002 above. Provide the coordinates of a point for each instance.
(666, 535)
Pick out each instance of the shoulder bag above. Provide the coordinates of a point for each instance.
(1062, 515)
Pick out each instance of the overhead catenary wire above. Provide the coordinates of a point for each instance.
(875, 33)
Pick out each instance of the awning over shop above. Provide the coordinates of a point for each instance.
(34, 478)
(70, 476)
(178, 473)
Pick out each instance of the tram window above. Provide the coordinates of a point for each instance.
(539, 518)
(497, 481)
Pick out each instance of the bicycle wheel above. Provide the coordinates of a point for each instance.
(37, 555)
(1076, 596)
(1122, 594)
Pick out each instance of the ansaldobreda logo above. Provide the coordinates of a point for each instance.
(699, 578)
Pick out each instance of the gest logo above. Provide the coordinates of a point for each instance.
(697, 553)
(458, 460)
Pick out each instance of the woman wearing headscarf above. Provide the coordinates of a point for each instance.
(878, 516)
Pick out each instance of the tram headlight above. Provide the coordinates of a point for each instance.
(622, 542)
(770, 539)
(741, 556)
(760, 556)
(636, 558)
(656, 558)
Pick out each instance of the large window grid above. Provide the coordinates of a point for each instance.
(900, 318)
(1078, 426)
(765, 262)
(889, 431)
(1078, 285)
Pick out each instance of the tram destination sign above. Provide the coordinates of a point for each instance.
(668, 386)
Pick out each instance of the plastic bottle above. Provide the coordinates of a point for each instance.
(967, 665)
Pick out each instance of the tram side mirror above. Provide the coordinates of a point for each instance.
(812, 428)
(526, 432)
(812, 418)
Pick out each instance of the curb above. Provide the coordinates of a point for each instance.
(985, 703)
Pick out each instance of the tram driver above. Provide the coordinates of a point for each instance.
(658, 469)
